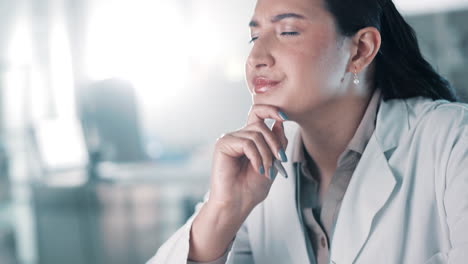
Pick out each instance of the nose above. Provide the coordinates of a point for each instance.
(260, 56)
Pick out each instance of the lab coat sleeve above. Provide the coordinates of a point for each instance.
(239, 251)
(221, 260)
(456, 199)
(175, 250)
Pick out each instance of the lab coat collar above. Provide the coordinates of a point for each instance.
(371, 186)
(392, 123)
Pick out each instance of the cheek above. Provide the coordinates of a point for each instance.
(320, 62)
(315, 71)
(312, 64)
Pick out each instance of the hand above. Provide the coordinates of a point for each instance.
(243, 159)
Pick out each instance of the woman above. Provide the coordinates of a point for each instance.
(378, 169)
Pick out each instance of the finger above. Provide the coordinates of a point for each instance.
(262, 146)
(258, 113)
(236, 147)
(274, 142)
(275, 171)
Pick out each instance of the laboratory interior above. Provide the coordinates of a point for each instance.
(110, 109)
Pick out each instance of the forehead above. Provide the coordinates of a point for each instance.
(272, 7)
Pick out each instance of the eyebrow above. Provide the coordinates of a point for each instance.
(277, 18)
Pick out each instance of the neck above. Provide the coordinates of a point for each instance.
(328, 131)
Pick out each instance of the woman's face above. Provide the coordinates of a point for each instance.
(298, 61)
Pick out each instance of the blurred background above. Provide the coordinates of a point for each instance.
(109, 110)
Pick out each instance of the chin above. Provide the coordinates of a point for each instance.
(281, 104)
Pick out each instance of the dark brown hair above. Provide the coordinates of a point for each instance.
(400, 69)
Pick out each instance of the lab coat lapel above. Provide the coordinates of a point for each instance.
(287, 223)
(371, 185)
(292, 231)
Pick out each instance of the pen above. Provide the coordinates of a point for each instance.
(280, 168)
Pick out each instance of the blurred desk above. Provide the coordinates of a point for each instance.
(122, 217)
(168, 173)
(153, 172)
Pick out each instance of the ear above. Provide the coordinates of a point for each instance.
(365, 45)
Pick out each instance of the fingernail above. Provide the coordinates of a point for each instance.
(282, 155)
(283, 115)
(262, 170)
(271, 172)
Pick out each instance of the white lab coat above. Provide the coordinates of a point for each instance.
(407, 201)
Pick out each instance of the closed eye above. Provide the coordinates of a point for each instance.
(289, 33)
(282, 34)
(253, 39)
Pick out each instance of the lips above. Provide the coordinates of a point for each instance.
(263, 85)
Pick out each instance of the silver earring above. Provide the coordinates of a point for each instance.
(356, 78)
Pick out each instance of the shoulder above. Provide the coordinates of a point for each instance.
(438, 116)
(420, 121)
(440, 132)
